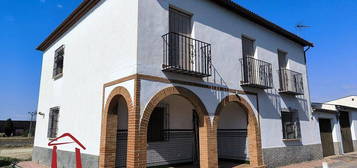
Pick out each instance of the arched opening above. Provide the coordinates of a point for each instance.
(119, 108)
(175, 128)
(113, 148)
(232, 135)
(238, 128)
(172, 136)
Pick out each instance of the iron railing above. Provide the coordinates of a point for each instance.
(291, 82)
(186, 55)
(256, 73)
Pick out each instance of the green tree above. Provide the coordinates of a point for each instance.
(9, 127)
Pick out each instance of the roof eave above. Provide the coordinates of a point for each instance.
(228, 4)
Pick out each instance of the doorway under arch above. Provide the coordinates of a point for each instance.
(247, 130)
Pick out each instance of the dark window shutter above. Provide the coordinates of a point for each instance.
(248, 47)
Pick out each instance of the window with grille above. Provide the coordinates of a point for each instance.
(291, 125)
(53, 122)
(158, 124)
(58, 63)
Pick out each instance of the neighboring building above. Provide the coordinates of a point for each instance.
(338, 125)
(146, 83)
(20, 127)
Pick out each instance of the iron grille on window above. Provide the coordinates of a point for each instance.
(159, 124)
(58, 63)
(291, 82)
(186, 55)
(256, 73)
(53, 122)
(291, 125)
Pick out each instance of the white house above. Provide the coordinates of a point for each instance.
(165, 82)
(338, 125)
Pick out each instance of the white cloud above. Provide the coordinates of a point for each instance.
(59, 6)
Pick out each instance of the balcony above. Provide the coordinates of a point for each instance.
(256, 73)
(185, 55)
(291, 82)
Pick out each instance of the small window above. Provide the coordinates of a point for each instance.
(58, 63)
(158, 124)
(53, 123)
(248, 47)
(282, 58)
(291, 125)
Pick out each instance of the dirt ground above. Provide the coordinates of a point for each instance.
(21, 153)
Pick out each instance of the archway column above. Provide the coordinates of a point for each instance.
(253, 128)
(108, 138)
(207, 135)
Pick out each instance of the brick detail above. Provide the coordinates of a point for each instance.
(134, 143)
(254, 136)
(207, 135)
(108, 137)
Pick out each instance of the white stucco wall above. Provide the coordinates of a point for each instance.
(223, 29)
(98, 49)
(233, 117)
(180, 112)
(350, 101)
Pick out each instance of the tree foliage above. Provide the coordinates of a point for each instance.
(9, 127)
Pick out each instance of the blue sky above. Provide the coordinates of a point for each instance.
(332, 64)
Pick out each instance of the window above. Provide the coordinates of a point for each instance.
(291, 125)
(53, 123)
(158, 124)
(282, 59)
(58, 63)
(248, 47)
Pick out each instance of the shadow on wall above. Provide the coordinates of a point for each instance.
(271, 103)
(220, 19)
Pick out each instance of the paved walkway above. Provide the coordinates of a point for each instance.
(30, 165)
(341, 161)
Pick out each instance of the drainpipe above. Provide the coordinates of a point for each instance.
(307, 78)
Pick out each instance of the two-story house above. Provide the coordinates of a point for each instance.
(205, 83)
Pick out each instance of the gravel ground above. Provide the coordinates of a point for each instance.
(22, 153)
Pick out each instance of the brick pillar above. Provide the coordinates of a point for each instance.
(134, 142)
(108, 147)
(208, 145)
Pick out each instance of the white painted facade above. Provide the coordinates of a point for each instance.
(121, 38)
(223, 29)
(95, 53)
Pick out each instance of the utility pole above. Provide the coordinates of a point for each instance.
(30, 129)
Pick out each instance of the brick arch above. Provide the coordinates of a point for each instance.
(108, 136)
(254, 137)
(208, 152)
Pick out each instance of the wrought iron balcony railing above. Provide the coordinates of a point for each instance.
(291, 82)
(256, 73)
(186, 55)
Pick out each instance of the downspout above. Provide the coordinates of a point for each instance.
(307, 78)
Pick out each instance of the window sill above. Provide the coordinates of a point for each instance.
(291, 140)
(58, 76)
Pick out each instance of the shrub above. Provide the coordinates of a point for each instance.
(9, 127)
